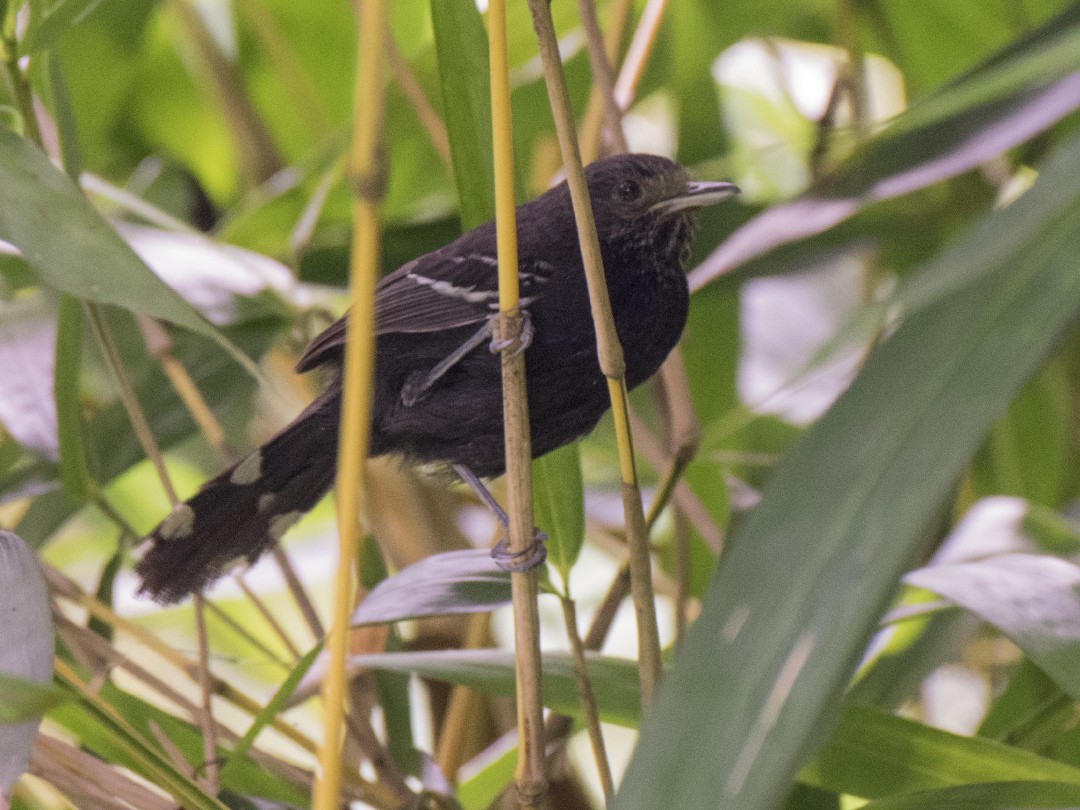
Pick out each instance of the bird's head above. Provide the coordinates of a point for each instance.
(649, 201)
(630, 187)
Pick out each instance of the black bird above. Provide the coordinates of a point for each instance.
(437, 394)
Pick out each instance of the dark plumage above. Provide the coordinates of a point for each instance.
(437, 307)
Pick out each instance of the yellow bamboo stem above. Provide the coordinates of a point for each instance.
(530, 775)
(359, 362)
(609, 351)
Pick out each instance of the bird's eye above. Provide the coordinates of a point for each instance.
(629, 191)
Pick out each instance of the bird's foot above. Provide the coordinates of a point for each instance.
(523, 340)
(531, 556)
(516, 562)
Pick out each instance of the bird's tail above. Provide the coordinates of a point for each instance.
(245, 510)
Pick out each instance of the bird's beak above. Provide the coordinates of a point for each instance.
(697, 195)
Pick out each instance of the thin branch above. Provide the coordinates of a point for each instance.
(592, 123)
(268, 616)
(159, 345)
(300, 596)
(294, 78)
(460, 714)
(608, 350)
(246, 635)
(603, 79)
(206, 712)
(257, 152)
(587, 699)
(104, 338)
(410, 87)
(638, 53)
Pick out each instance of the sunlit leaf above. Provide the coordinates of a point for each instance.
(873, 753)
(1034, 600)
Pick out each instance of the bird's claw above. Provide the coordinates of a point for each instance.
(527, 559)
(523, 340)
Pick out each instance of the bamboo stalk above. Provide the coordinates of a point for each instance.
(609, 350)
(367, 179)
(530, 776)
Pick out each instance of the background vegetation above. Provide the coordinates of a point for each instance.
(879, 584)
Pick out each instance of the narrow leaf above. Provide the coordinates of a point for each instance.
(909, 156)
(74, 472)
(873, 753)
(273, 707)
(614, 679)
(462, 46)
(986, 796)
(559, 505)
(442, 584)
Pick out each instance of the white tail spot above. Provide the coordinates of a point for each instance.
(179, 524)
(279, 524)
(247, 471)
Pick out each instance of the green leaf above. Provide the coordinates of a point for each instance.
(614, 680)
(461, 41)
(986, 796)
(480, 790)
(74, 250)
(973, 121)
(138, 753)
(1050, 531)
(74, 472)
(22, 700)
(47, 27)
(846, 510)
(271, 710)
(1028, 452)
(559, 505)
(127, 742)
(59, 101)
(873, 753)
(1028, 697)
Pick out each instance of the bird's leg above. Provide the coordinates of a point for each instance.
(419, 382)
(524, 560)
(524, 339)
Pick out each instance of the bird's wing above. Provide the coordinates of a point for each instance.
(437, 291)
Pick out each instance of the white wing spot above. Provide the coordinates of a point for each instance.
(247, 471)
(279, 524)
(470, 294)
(179, 524)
